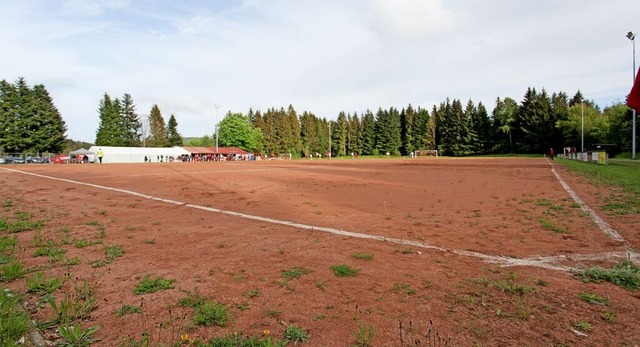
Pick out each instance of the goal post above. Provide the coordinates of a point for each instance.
(285, 156)
(426, 153)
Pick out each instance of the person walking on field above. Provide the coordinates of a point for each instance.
(551, 153)
(100, 155)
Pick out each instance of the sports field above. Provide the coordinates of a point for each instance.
(478, 251)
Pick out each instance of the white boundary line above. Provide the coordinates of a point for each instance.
(542, 262)
(604, 226)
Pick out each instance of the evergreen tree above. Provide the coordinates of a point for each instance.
(48, 132)
(108, 131)
(387, 129)
(354, 138)
(408, 123)
(131, 124)
(368, 133)
(482, 125)
(29, 121)
(339, 135)
(157, 129)
(173, 136)
(473, 142)
(292, 137)
(309, 136)
(535, 123)
(8, 126)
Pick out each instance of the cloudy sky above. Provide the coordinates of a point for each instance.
(322, 56)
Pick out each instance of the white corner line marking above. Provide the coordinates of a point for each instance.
(601, 223)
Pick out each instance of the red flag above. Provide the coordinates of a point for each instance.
(633, 100)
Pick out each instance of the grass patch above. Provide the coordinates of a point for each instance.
(403, 287)
(40, 284)
(211, 314)
(623, 174)
(549, 225)
(295, 272)
(593, 298)
(237, 339)
(295, 334)
(12, 270)
(363, 256)
(14, 322)
(113, 252)
(624, 274)
(344, 270)
(128, 309)
(152, 285)
(194, 299)
(364, 335)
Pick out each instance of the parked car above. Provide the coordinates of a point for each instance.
(34, 160)
(2, 160)
(13, 160)
(60, 159)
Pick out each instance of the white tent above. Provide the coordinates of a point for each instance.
(90, 155)
(137, 154)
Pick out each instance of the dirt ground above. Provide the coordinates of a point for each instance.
(476, 252)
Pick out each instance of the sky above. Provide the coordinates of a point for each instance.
(200, 59)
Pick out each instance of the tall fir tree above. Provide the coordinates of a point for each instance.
(407, 122)
(173, 136)
(339, 135)
(107, 133)
(29, 121)
(131, 124)
(157, 129)
(48, 133)
(368, 133)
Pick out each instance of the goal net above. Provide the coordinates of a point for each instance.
(427, 153)
(284, 156)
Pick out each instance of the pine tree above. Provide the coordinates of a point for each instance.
(8, 102)
(157, 129)
(131, 124)
(48, 133)
(309, 135)
(368, 133)
(407, 121)
(354, 137)
(173, 136)
(339, 135)
(107, 133)
(420, 129)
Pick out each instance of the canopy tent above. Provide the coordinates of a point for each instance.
(77, 155)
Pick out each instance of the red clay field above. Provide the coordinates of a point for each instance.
(457, 252)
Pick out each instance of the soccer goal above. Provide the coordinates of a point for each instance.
(427, 153)
(284, 156)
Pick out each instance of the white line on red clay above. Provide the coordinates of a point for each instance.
(542, 262)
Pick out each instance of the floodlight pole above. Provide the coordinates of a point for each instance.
(582, 104)
(217, 107)
(329, 140)
(632, 36)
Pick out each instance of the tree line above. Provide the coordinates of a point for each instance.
(121, 126)
(30, 122)
(536, 124)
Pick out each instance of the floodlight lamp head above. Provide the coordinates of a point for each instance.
(631, 35)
